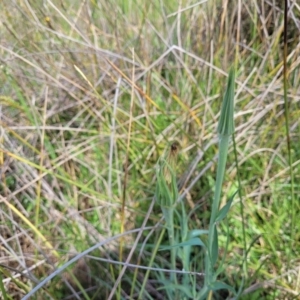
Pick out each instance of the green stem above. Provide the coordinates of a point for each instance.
(168, 213)
(223, 146)
(150, 264)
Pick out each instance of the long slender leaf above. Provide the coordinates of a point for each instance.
(224, 210)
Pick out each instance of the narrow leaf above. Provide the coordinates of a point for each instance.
(226, 124)
(191, 242)
(218, 285)
(197, 232)
(224, 210)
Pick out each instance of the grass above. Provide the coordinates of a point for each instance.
(92, 93)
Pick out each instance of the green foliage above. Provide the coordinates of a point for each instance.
(79, 147)
(167, 194)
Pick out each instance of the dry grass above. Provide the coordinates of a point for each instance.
(93, 90)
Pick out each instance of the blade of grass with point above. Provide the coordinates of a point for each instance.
(225, 131)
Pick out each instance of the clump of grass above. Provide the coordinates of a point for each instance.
(167, 195)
